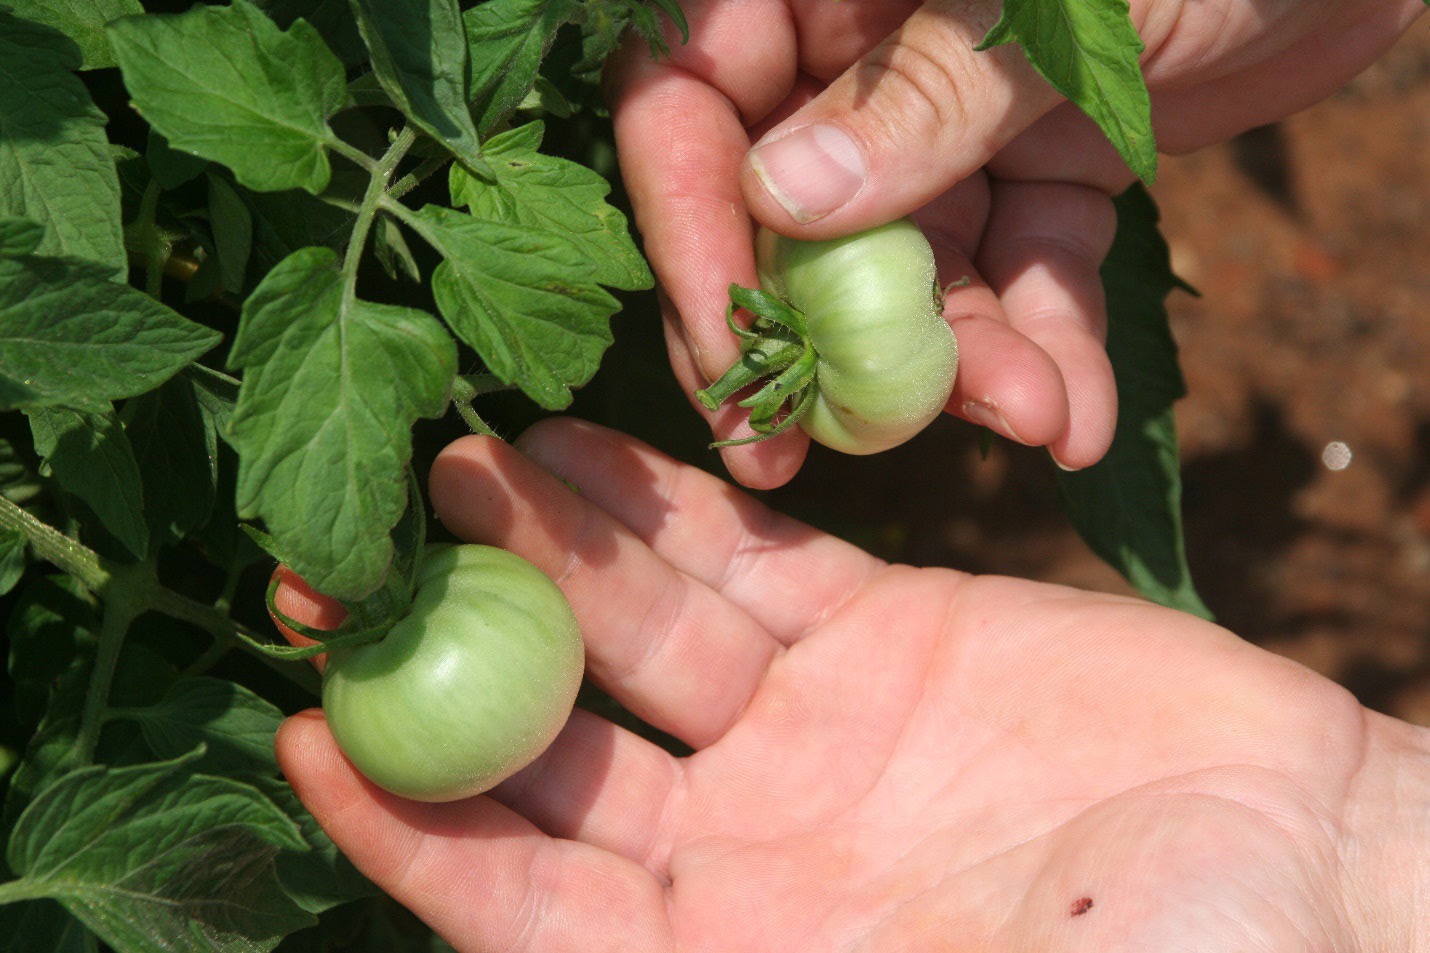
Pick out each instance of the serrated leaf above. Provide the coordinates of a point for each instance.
(174, 451)
(154, 854)
(1128, 507)
(82, 21)
(506, 42)
(70, 337)
(19, 237)
(91, 459)
(333, 19)
(523, 298)
(419, 57)
(227, 84)
(55, 161)
(323, 427)
(235, 726)
(1089, 53)
(556, 196)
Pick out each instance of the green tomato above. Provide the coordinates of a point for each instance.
(467, 688)
(874, 312)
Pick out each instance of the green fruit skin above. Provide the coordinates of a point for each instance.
(887, 358)
(468, 688)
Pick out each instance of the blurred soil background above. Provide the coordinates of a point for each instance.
(1309, 243)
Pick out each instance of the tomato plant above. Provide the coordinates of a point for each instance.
(468, 687)
(851, 333)
(240, 308)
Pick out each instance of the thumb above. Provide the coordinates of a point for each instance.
(917, 114)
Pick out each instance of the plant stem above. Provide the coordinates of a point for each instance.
(122, 604)
(416, 177)
(55, 547)
(382, 174)
(462, 394)
(353, 154)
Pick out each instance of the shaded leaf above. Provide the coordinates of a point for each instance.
(154, 857)
(174, 451)
(91, 458)
(1128, 506)
(70, 337)
(55, 161)
(82, 21)
(506, 42)
(420, 58)
(235, 726)
(19, 237)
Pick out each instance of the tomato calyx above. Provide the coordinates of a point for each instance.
(775, 348)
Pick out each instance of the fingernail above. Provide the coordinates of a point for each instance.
(811, 172)
(985, 413)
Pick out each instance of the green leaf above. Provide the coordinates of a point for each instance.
(1089, 52)
(233, 233)
(44, 926)
(392, 251)
(333, 19)
(82, 21)
(52, 619)
(12, 558)
(154, 857)
(19, 237)
(55, 161)
(1128, 507)
(91, 459)
(506, 42)
(555, 196)
(320, 878)
(419, 57)
(227, 84)
(70, 337)
(323, 427)
(523, 298)
(170, 167)
(284, 222)
(175, 453)
(235, 726)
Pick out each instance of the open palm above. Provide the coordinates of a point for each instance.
(886, 758)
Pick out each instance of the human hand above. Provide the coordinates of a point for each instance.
(1010, 184)
(886, 758)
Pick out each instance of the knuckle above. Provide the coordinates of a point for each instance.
(933, 87)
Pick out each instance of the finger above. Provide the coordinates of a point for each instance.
(920, 112)
(680, 133)
(833, 35)
(1005, 382)
(601, 785)
(760, 466)
(477, 873)
(787, 575)
(664, 645)
(1041, 253)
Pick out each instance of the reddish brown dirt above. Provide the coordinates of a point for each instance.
(1309, 243)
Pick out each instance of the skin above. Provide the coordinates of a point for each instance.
(1011, 184)
(885, 758)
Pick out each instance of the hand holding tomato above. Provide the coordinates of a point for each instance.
(886, 758)
(863, 111)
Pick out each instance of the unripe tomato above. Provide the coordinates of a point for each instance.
(871, 301)
(467, 688)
